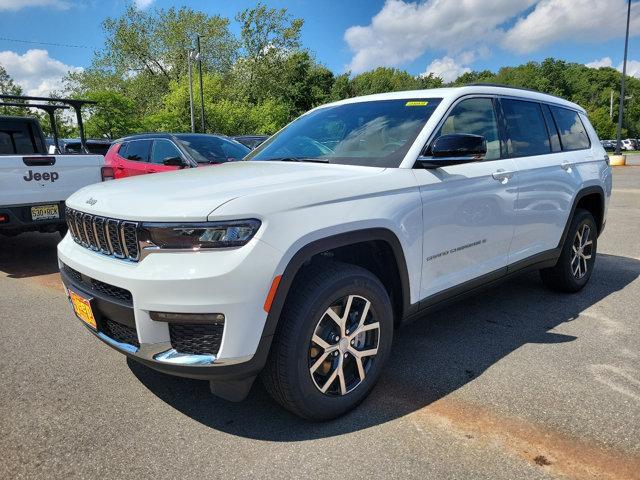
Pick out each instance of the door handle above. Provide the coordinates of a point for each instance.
(502, 176)
(566, 166)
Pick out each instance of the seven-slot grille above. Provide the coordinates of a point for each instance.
(109, 236)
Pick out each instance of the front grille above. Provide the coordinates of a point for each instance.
(109, 236)
(196, 339)
(119, 332)
(93, 285)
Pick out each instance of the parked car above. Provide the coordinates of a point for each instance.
(74, 145)
(299, 262)
(629, 144)
(608, 145)
(251, 141)
(161, 152)
(34, 184)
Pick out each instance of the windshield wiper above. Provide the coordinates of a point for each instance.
(300, 159)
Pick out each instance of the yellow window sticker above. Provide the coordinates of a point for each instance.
(416, 103)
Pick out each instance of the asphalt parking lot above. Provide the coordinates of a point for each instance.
(518, 382)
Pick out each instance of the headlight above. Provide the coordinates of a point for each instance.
(199, 235)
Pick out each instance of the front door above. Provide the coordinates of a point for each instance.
(468, 209)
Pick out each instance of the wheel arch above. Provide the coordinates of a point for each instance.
(332, 243)
(590, 198)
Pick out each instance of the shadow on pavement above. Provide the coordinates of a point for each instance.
(431, 358)
(29, 254)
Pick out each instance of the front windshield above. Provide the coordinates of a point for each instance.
(212, 149)
(375, 133)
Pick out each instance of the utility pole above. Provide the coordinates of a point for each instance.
(191, 112)
(624, 72)
(611, 105)
(202, 120)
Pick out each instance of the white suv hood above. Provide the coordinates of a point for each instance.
(191, 195)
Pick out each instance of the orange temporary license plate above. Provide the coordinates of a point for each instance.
(82, 309)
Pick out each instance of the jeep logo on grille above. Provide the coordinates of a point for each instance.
(92, 201)
(46, 176)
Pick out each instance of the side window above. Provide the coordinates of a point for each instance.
(6, 144)
(553, 131)
(163, 149)
(572, 132)
(122, 151)
(138, 150)
(475, 116)
(526, 130)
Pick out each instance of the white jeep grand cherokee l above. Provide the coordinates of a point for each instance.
(299, 262)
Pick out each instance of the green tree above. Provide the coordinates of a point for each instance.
(111, 116)
(267, 37)
(9, 87)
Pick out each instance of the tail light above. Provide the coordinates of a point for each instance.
(107, 173)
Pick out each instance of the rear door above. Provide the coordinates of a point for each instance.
(134, 159)
(547, 177)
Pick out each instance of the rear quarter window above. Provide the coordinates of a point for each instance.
(573, 134)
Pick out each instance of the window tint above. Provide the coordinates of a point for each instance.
(234, 150)
(6, 145)
(138, 150)
(572, 132)
(475, 116)
(526, 129)
(553, 131)
(163, 149)
(122, 151)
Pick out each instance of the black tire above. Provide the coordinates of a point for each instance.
(287, 374)
(562, 276)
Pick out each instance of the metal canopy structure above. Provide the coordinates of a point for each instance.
(50, 108)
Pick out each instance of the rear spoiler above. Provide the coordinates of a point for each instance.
(61, 103)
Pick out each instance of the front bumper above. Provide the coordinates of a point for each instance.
(196, 282)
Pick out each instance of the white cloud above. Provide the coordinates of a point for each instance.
(15, 5)
(142, 4)
(35, 71)
(446, 68)
(633, 66)
(603, 62)
(552, 21)
(403, 30)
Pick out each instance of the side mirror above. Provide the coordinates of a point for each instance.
(454, 149)
(173, 162)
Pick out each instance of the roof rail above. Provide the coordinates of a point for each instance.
(76, 104)
(503, 85)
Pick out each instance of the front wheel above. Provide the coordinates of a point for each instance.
(333, 340)
(578, 256)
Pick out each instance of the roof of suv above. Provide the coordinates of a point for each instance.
(142, 136)
(455, 92)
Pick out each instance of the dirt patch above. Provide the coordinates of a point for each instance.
(541, 446)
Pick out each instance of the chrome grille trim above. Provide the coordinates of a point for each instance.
(108, 236)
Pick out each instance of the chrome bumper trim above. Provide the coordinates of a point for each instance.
(174, 357)
(125, 347)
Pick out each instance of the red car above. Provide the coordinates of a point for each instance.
(161, 152)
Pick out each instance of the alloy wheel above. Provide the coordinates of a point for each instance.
(581, 252)
(343, 346)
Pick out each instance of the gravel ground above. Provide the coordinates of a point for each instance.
(519, 382)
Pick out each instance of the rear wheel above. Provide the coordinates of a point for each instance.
(578, 256)
(333, 339)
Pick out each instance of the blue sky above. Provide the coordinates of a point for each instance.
(437, 36)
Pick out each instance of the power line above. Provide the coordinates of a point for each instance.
(34, 42)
